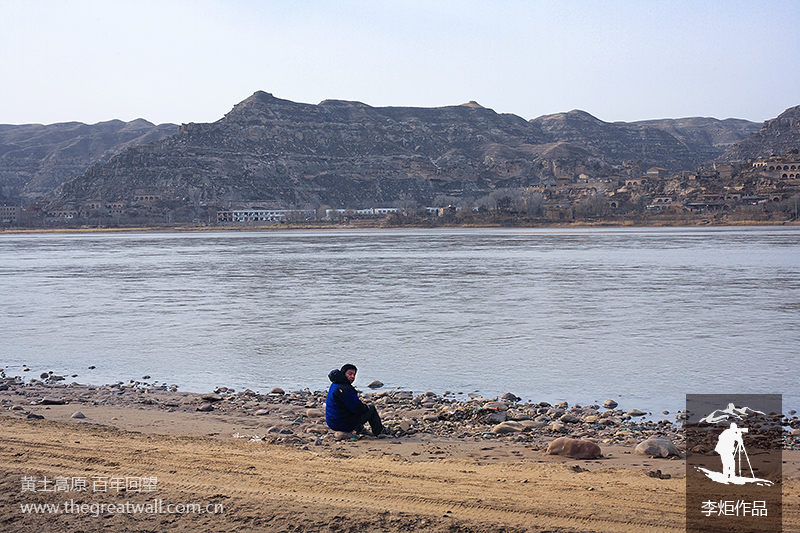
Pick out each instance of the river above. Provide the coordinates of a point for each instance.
(641, 316)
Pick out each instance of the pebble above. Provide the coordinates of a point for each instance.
(403, 413)
(78, 414)
(513, 414)
(343, 435)
(495, 417)
(508, 427)
(53, 401)
(211, 397)
(657, 448)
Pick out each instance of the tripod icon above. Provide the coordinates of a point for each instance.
(730, 448)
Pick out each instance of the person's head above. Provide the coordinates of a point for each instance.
(350, 372)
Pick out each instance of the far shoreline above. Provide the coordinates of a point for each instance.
(380, 225)
(651, 410)
(61, 382)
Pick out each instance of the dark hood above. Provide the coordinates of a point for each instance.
(337, 376)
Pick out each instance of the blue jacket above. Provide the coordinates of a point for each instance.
(342, 408)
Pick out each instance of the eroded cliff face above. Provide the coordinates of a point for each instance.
(36, 159)
(287, 154)
(777, 137)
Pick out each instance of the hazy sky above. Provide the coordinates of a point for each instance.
(192, 61)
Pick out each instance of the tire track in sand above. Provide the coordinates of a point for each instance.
(257, 479)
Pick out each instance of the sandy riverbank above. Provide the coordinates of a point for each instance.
(271, 464)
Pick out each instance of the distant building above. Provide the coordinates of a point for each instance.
(115, 208)
(725, 170)
(660, 203)
(64, 214)
(359, 213)
(146, 198)
(704, 206)
(263, 215)
(712, 197)
(10, 214)
(557, 212)
(656, 173)
(784, 168)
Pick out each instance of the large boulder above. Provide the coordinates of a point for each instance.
(657, 448)
(575, 448)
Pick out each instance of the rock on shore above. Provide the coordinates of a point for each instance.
(297, 418)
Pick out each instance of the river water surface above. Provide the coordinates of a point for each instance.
(643, 316)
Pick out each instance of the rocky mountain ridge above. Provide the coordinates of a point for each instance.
(35, 159)
(777, 137)
(343, 153)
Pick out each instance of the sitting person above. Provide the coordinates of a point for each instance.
(344, 411)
